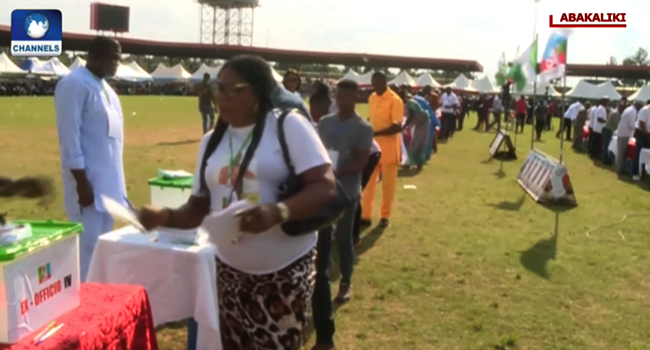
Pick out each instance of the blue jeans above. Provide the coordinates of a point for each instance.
(207, 112)
(607, 138)
(322, 297)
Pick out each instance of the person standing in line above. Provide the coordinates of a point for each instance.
(206, 102)
(600, 116)
(419, 118)
(592, 122)
(450, 104)
(541, 112)
(422, 100)
(90, 127)
(371, 165)
(292, 81)
(579, 126)
(642, 136)
(320, 102)
(624, 131)
(433, 100)
(386, 111)
(497, 109)
(348, 139)
(464, 109)
(522, 107)
(608, 131)
(569, 116)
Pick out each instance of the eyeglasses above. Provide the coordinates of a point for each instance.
(231, 90)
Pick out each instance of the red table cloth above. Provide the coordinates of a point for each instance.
(110, 317)
(631, 145)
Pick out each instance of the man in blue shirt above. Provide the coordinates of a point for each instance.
(285, 99)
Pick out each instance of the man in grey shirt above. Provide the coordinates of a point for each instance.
(609, 129)
(348, 139)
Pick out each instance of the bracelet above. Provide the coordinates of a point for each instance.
(169, 220)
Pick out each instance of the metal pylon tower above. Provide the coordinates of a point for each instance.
(227, 25)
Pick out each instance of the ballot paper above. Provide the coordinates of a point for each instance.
(121, 213)
(11, 233)
(174, 174)
(222, 226)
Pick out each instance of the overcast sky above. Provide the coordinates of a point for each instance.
(465, 29)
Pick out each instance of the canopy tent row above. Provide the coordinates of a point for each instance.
(643, 94)
(530, 90)
(483, 85)
(205, 69)
(130, 72)
(403, 78)
(176, 73)
(350, 75)
(8, 68)
(594, 92)
(425, 79)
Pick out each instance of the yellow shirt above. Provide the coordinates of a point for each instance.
(383, 111)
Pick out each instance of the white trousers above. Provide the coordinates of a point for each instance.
(95, 223)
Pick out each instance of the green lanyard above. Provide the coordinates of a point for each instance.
(235, 158)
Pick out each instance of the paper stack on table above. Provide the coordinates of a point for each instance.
(223, 227)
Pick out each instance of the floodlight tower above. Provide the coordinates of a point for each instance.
(228, 22)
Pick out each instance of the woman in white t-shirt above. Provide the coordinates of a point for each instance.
(264, 280)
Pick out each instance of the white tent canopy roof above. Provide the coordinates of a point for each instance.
(175, 73)
(136, 68)
(427, 80)
(403, 78)
(198, 75)
(78, 62)
(132, 72)
(56, 67)
(583, 89)
(366, 78)
(483, 85)
(643, 94)
(461, 83)
(39, 67)
(607, 90)
(351, 75)
(7, 67)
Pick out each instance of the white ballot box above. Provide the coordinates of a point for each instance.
(39, 278)
(170, 192)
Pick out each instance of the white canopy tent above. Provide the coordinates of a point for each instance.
(427, 80)
(483, 85)
(37, 67)
(56, 67)
(461, 83)
(529, 90)
(78, 62)
(176, 73)
(607, 90)
(7, 67)
(643, 94)
(403, 78)
(584, 89)
(198, 75)
(142, 74)
(366, 78)
(351, 75)
(132, 72)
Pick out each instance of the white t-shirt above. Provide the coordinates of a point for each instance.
(644, 116)
(592, 116)
(626, 125)
(574, 109)
(601, 113)
(448, 102)
(273, 250)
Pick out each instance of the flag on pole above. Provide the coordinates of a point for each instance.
(524, 68)
(500, 77)
(553, 64)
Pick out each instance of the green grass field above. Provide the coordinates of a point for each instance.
(470, 262)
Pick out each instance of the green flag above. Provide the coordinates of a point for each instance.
(523, 70)
(500, 77)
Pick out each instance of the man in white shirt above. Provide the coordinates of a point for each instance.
(642, 136)
(569, 116)
(624, 131)
(600, 118)
(91, 140)
(450, 104)
(592, 119)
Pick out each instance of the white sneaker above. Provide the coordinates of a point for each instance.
(636, 178)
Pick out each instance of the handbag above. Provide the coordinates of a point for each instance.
(328, 215)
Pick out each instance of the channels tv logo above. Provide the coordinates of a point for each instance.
(36, 33)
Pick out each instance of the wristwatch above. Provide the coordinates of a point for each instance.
(283, 209)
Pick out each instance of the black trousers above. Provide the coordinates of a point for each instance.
(521, 119)
(590, 142)
(461, 120)
(373, 160)
(596, 146)
(447, 125)
(539, 127)
(568, 123)
(641, 143)
(496, 121)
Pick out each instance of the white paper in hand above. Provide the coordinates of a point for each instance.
(223, 227)
(121, 213)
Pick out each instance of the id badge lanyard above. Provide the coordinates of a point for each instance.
(233, 162)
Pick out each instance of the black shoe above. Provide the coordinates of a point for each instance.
(365, 223)
(344, 293)
(383, 223)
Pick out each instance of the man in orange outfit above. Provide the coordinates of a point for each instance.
(385, 110)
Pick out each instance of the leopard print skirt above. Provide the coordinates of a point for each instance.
(265, 312)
